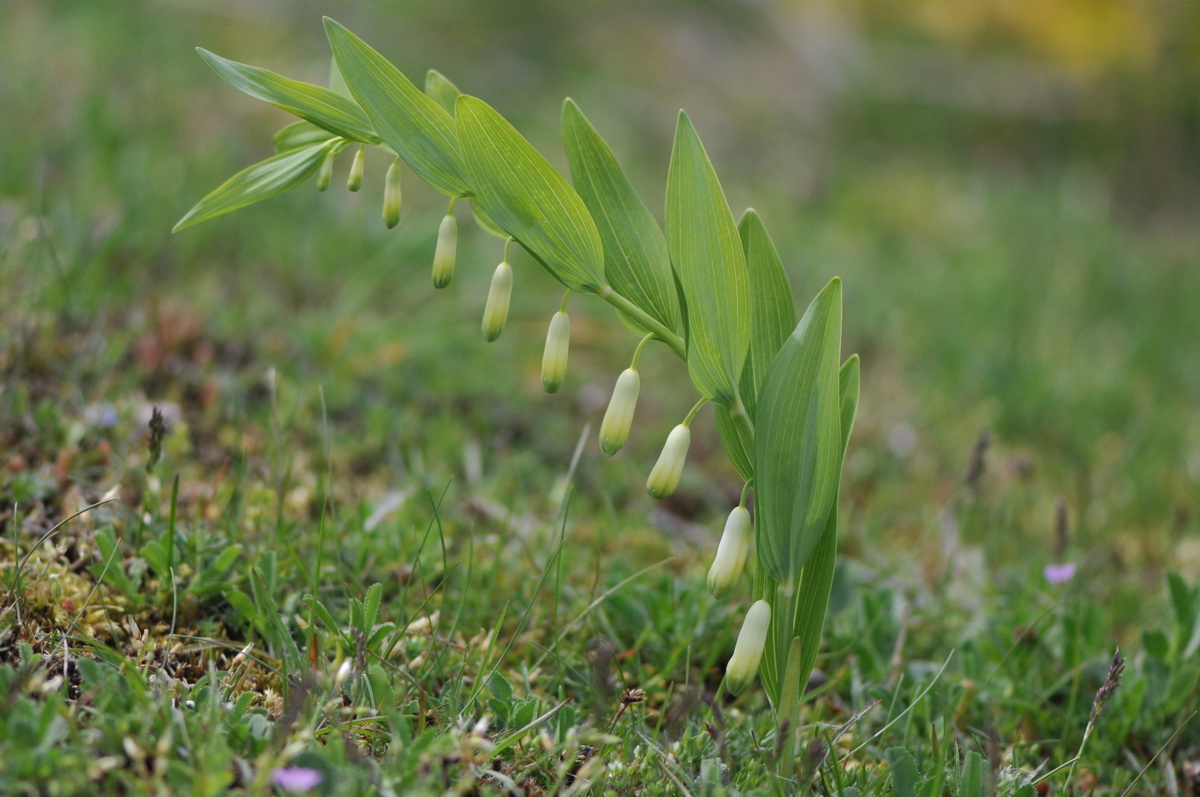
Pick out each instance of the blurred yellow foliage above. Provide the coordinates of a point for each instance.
(1082, 36)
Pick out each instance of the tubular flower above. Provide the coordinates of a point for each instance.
(326, 172)
(391, 195)
(747, 653)
(618, 419)
(495, 312)
(664, 478)
(731, 553)
(443, 256)
(554, 357)
(354, 180)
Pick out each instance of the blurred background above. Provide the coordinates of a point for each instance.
(1010, 191)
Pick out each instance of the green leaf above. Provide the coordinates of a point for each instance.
(905, 777)
(500, 688)
(971, 784)
(636, 261)
(439, 87)
(441, 90)
(300, 134)
(1156, 644)
(797, 439)
(706, 252)
(312, 103)
(739, 447)
(261, 181)
(523, 194)
(802, 614)
(411, 123)
(281, 640)
(772, 311)
(371, 606)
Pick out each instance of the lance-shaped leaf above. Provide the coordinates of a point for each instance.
(525, 196)
(414, 125)
(797, 439)
(738, 445)
(801, 611)
(316, 104)
(298, 135)
(772, 311)
(706, 252)
(636, 261)
(440, 89)
(261, 181)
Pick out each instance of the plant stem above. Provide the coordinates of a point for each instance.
(630, 309)
(737, 414)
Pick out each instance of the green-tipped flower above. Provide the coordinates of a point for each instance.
(664, 478)
(326, 172)
(747, 653)
(443, 256)
(391, 195)
(554, 357)
(495, 312)
(731, 553)
(618, 419)
(354, 180)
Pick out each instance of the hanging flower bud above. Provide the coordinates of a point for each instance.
(747, 653)
(664, 478)
(731, 553)
(326, 172)
(554, 357)
(618, 419)
(354, 181)
(391, 195)
(495, 312)
(443, 256)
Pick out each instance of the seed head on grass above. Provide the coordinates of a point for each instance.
(1112, 682)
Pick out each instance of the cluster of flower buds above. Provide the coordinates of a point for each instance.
(495, 312)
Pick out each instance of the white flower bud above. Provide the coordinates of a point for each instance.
(391, 195)
(326, 172)
(731, 553)
(354, 180)
(747, 653)
(443, 256)
(495, 312)
(664, 478)
(618, 419)
(554, 357)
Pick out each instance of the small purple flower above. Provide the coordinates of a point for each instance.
(296, 779)
(1060, 573)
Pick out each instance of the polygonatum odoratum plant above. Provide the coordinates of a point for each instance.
(711, 289)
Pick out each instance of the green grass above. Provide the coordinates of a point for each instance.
(379, 537)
